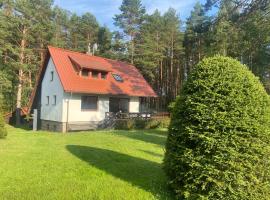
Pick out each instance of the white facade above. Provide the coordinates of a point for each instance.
(72, 109)
(50, 88)
(68, 105)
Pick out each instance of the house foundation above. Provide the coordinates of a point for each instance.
(47, 125)
(71, 126)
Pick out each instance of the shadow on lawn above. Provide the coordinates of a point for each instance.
(158, 137)
(145, 174)
(152, 153)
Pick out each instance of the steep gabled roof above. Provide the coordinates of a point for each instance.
(64, 60)
(133, 82)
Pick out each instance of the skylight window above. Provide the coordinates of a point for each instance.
(117, 77)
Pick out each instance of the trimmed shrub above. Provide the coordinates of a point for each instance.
(128, 124)
(3, 131)
(123, 124)
(218, 142)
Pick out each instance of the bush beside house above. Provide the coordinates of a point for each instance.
(153, 123)
(218, 142)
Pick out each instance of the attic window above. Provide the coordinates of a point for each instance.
(117, 77)
(103, 75)
(95, 74)
(85, 72)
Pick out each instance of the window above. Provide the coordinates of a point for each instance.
(95, 74)
(89, 103)
(85, 72)
(54, 99)
(118, 78)
(52, 73)
(48, 100)
(103, 75)
(119, 104)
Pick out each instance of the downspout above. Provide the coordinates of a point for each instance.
(68, 111)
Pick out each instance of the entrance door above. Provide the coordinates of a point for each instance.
(119, 104)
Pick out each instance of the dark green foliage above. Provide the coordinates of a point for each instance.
(218, 142)
(124, 124)
(128, 124)
(3, 131)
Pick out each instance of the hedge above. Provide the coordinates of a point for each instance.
(218, 142)
(128, 124)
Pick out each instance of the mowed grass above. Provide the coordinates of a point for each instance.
(87, 165)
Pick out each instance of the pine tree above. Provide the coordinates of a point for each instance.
(60, 22)
(89, 28)
(195, 39)
(130, 20)
(104, 41)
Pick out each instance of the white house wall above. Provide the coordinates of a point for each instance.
(134, 105)
(50, 88)
(73, 113)
(72, 108)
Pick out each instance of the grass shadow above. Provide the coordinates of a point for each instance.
(145, 174)
(152, 153)
(157, 137)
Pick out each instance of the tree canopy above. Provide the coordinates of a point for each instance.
(164, 47)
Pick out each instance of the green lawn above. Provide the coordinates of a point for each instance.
(87, 165)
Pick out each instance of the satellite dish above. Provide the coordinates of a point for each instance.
(95, 48)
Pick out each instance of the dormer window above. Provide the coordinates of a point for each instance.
(95, 74)
(103, 75)
(85, 72)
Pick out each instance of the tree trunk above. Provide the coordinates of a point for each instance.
(132, 49)
(20, 78)
(199, 48)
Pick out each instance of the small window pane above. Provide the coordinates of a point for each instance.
(85, 72)
(95, 74)
(52, 73)
(117, 77)
(54, 99)
(89, 103)
(103, 75)
(48, 100)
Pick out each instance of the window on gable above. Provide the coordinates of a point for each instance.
(117, 77)
(47, 100)
(103, 75)
(52, 74)
(95, 74)
(54, 99)
(89, 103)
(85, 72)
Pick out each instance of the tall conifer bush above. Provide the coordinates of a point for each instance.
(218, 142)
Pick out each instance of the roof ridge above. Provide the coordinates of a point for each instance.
(84, 54)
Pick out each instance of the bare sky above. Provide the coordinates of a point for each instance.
(104, 10)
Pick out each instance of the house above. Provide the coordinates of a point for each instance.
(74, 91)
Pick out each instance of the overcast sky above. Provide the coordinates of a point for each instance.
(104, 10)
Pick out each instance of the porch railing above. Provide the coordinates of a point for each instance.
(121, 115)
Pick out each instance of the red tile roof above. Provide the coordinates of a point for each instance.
(133, 85)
